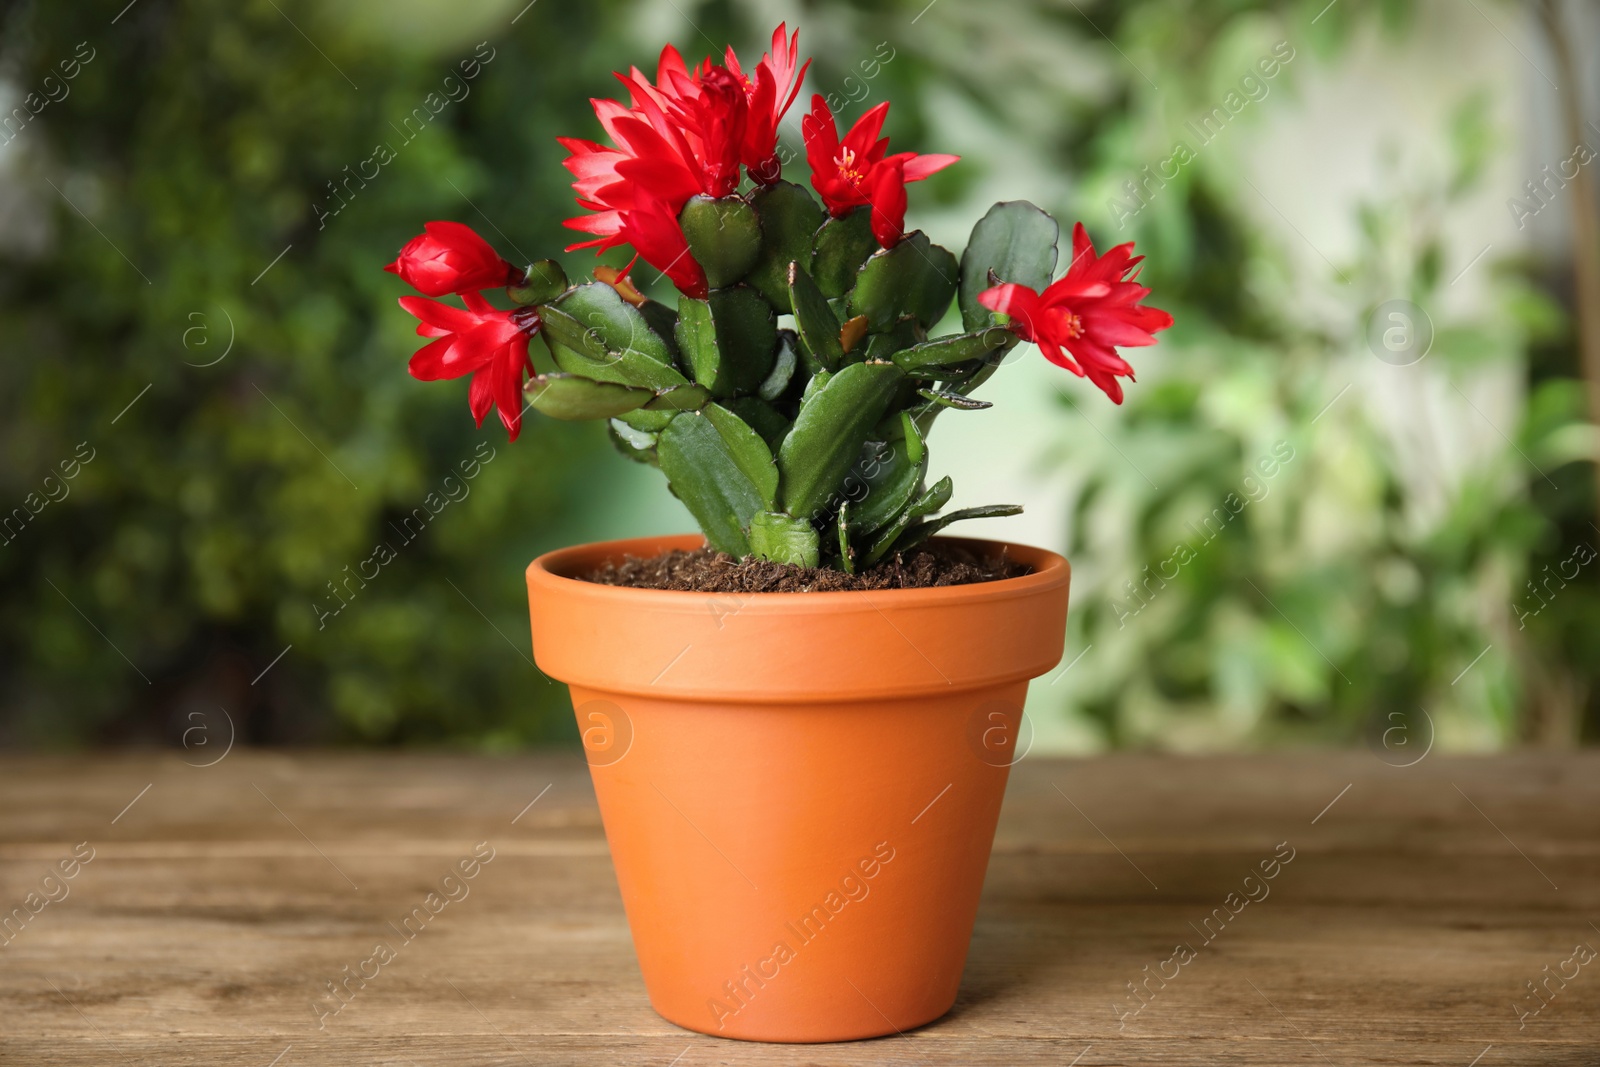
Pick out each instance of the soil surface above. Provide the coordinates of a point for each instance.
(708, 571)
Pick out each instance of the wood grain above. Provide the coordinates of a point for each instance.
(1403, 931)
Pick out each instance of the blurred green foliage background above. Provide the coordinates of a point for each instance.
(197, 328)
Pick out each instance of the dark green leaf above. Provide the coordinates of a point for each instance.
(900, 336)
(924, 530)
(728, 340)
(596, 322)
(814, 319)
(1015, 240)
(790, 217)
(680, 398)
(783, 365)
(833, 424)
(842, 245)
(892, 477)
(762, 417)
(947, 351)
(544, 282)
(915, 278)
(724, 237)
(624, 368)
(566, 396)
(749, 451)
(929, 502)
(954, 400)
(706, 476)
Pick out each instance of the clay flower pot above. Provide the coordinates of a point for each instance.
(800, 790)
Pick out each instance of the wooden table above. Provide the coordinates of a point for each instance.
(1418, 903)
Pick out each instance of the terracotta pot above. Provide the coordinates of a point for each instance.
(800, 790)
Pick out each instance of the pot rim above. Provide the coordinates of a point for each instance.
(559, 565)
(791, 648)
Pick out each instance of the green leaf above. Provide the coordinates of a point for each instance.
(623, 368)
(892, 477)
(790, 217)
(762, 417)
(728, 340)
(724, 237)
(544, 281)
(926, 504)
(783, 366)
(596, 322)
(900, 336)
(833, 424)
(954, 400)
(915, 278)
(645, 420)
(784, 539)
(592, 331)
(816, 382)
(1015, 240)
(814, 319)
(749, 451)
(847, 557)
(924, 530)
(948, 351)
(916, 448)
(637, 445)
(566, 396)
(680, 398)
(842, 245)
(711, 479)
(661, 319)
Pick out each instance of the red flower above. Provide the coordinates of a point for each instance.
(451, 258)
(685, 134)
(1089, 311)
(489, 344)
(856, 171)
(770, 96)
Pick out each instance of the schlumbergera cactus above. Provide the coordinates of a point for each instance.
(789, 396)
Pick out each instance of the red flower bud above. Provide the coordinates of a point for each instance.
(451, 258)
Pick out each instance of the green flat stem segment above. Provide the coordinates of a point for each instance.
(915, 277)
(1015, 240)
(568, 397)
(784, 539)
(724, 237)
(815, 321)
(833, 424)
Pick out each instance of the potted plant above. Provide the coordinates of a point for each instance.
(799, 726)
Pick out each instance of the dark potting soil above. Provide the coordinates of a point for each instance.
(706, 571)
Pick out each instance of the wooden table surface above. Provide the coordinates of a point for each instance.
(1419, 905)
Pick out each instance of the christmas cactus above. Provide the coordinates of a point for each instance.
(789, 395)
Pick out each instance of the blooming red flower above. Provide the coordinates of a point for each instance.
(480, 340)
(770, 96)
(451, 258)
(857, 171)
(685, 134)
(1089, 311)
